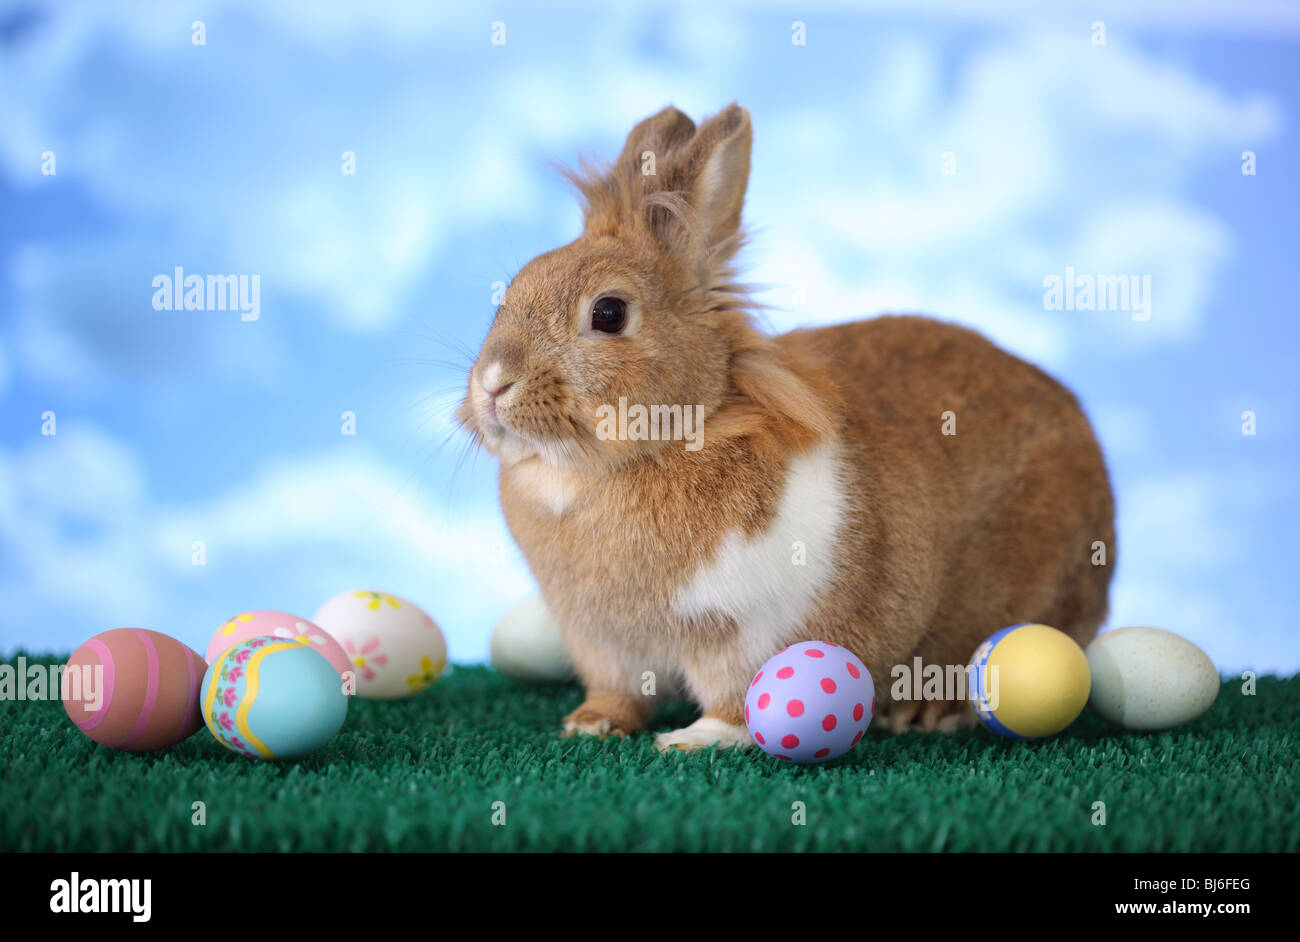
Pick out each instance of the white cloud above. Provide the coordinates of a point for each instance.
(1171, 522)
(70, 509)
(1030, 123)
(355, 246)
(83, 316)
(1262, 18)
(1182, 539)
(93, 551)
(395, 23)
(1181, 248)
(337, 520)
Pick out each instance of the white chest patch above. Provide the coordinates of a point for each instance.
(767, 583)
(544, 484)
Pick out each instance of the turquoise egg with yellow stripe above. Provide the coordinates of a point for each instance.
(1029, 681)
(269, 698)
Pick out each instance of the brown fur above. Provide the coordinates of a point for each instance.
(947, 538)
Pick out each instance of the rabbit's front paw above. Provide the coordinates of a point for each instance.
(605, 715)
(602, 727)
(705, 733)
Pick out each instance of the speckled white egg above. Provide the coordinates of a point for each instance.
(1148, 679)
(395, 648)
(527, 645)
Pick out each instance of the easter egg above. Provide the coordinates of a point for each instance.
(527, 645)
(394, 648)
(1029, 681)
(271, 698)
(267, 624)
(810, 702)
(1148, 679)
(133, 689)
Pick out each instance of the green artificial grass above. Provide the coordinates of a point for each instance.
(424, 774)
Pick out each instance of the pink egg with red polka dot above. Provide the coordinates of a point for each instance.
(810, 703)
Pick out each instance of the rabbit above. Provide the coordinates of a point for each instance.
(827, 497)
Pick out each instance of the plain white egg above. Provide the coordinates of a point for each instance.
(527, 645)
(1149, 679)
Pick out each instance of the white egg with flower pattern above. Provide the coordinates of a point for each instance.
(395, 648)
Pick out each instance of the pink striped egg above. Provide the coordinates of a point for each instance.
(134, 689)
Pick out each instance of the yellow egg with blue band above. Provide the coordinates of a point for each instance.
(268, 698)
(1029, 681)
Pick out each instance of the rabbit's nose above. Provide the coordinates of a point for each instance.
(492, 381)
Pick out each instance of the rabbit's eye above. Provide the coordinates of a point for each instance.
(609, 315)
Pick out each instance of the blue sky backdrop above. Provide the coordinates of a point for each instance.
(183, 426)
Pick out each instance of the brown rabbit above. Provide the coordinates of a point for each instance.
(824, 499)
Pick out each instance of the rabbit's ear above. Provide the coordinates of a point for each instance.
(715, 174)
(654, 139)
